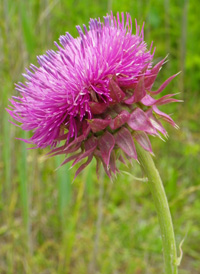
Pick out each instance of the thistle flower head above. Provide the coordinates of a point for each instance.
(93, 96)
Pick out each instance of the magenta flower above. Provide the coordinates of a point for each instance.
(93, 96)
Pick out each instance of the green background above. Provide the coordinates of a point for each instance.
(48, 224)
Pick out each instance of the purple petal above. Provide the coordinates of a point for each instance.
(155, 122)
(113, 163)
(83, 166)
(164, 84)
(57, 149)
(100, 160)
(166, 117)
(130, 100)
(90, 146)
(62, 150)
(150, 79)
(106, 145)
(70, 158)
(116, 93)
(140, 90)
(90, 143)
(124, 140)
(28, 141)
(166, 99)
(143, 140)
(63, 137)
(98, 124)
(83, 155)
(149, 101)
(85, 129)
(139, 121)
(120, 119)
(97, 108)
(79, 139)
(139, 93)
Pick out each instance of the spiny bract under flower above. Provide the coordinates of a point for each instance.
(94, 95)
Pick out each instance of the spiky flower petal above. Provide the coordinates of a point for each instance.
(93, 96)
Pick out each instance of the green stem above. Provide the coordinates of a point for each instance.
(162, 207)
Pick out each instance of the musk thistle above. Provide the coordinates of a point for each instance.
(93, 97)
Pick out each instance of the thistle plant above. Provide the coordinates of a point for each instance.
(94, 97)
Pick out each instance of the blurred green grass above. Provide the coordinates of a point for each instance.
(47, 224)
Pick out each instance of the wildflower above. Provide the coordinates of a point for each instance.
(93, 96)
